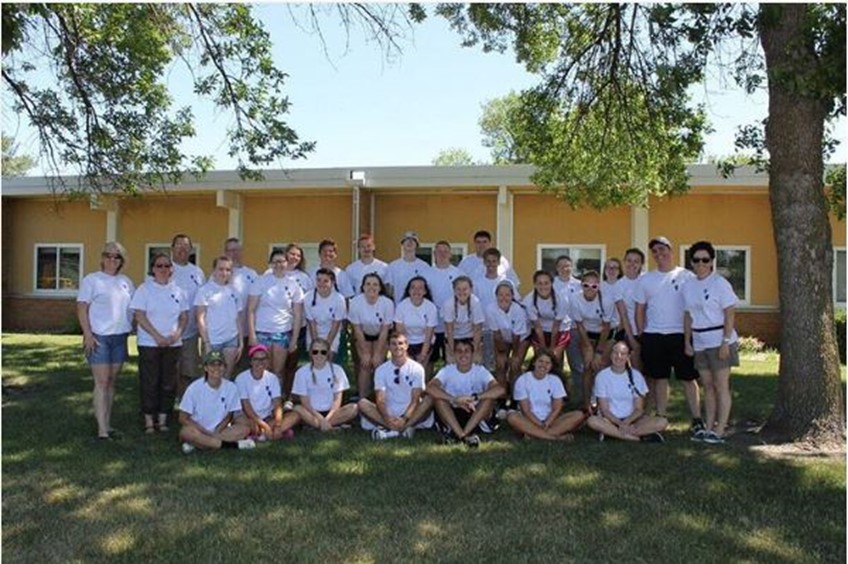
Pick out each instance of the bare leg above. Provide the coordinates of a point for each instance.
(660, 392)
(721, 381)
(693, 399)
(345, 414)
(278, 360)
(101, 374)
(648, 424)
(370, 411)
(290, 419)
(567, 423)
(484, 409)
(366, 368)
(114, 370)
(231, 357)
(526, 427)
(709, 398)
(446, 415)
(601, 425)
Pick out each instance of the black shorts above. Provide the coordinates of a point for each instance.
(661, 353)
(414, 350)
(462, 418)
(371, 338)
(437, 351)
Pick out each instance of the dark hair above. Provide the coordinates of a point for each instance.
(181, 236)
(542, 351)
(702, 246)
(396, 333)
(327, 243)
(456, 281)
(483, 233)
(427, 295)
(218, 259)
(492, 251)
(276, 252)
(466, 342)
(536, 275)
(563, 257)
(323, 272)
(629, 368)
(372, 275)
(232, 240)
(620, 267)
(635, 251)
(156, 257)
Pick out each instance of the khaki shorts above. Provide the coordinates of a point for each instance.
(708, 359)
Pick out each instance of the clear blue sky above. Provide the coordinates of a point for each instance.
(365, 111)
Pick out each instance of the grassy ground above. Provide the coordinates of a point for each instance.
(345, 498)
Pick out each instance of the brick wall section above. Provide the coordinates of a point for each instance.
(765, 325)
(22, 313)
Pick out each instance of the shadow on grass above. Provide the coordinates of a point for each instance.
(343, 497)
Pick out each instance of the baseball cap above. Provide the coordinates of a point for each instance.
(257, 348)
(213, 357)
(410, 235)
(659, 241)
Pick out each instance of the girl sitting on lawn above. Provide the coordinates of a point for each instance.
(320, 385)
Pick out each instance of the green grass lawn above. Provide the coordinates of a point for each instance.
(346, 498)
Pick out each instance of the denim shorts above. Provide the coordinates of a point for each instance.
(269, 339)
(111, 349)
(231, 344)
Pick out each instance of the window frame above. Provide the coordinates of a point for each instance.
(540, 247)
(58, 247)
(836, 250)
(746, 248)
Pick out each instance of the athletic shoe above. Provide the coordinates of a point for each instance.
(188, 448)
(698, 435)
(490, 424)
(380, 434)
(472, 441)
(601, 437)
(245, 444)
(446, 434)
(501, 414)
(408, 433)
(698, 429)
(652, 438)
(713, 438)
(288, 406)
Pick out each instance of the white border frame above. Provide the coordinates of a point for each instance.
(840, 305)
(57, 246)
(590, 246)
(746, 248)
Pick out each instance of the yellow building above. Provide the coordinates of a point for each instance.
(48, 245)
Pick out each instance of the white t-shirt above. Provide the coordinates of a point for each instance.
(609, 293)
(277, 297)
(400, 272)
(416, 319)
(371, 317)
(474, 267)
(540, 392)
(626, 290)
(457, 383)
(397, 383)
(662, 292)
(324, 311)
(329, 380)
(259, 392)
(222, 308)
(706, 300)
(162, 304)
(207, 406)
(591, 314)
(241, 280)
(356, 271)
(508, 323)
(190, 278)
(343, 284)
(109, 300)
(544, 310)
(484, 288)
(301, 278)
(441, 287)
(567, 289)
(464, 317)
(616, 389)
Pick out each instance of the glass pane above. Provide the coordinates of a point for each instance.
(69, 268)
(45, 277)
(583, 259)
(425, 254)
(839, 263)
(456, 255)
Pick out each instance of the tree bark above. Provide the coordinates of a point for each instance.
(809, 404)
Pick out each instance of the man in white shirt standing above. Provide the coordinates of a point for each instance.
(189, 278)
(473, 265)
(366, 264)
(407, 267)
(659, 323)
(241, 279)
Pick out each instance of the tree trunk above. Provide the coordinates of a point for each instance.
(809, 403)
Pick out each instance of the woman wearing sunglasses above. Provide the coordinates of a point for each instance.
(621, 390)
(261, 403)
(708, 327)
(161, 311)
(319, 386)
(592, 312)
(103, 309)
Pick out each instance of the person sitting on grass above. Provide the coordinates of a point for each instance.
(259, 390)
(621, 390)
(400, 406)
(540, 395)
(319, 386)
(210, 411)
(464, 396)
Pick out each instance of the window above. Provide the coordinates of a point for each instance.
(151, 249)
(583, 257)
(734, 263)
(425, 252)
(310, 254)
(839, 276)
(58, 267)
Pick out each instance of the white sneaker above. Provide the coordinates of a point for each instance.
(288, 406)
(383, 434)
(246, 444)
(188, 448)
(408, 433)
(501, 414)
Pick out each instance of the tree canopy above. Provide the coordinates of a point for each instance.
(13, 163)
(454, 156)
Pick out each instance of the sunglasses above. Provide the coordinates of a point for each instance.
(701, 260)
(592, 286)
(320, 352)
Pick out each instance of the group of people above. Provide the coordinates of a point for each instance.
(227, 346)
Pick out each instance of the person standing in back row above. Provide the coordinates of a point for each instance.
(473, 265)
(659, 321)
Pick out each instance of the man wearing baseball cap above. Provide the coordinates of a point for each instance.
(208, 411)
(659, 323)
(407, 267)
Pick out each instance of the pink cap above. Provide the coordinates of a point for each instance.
(255, 349)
